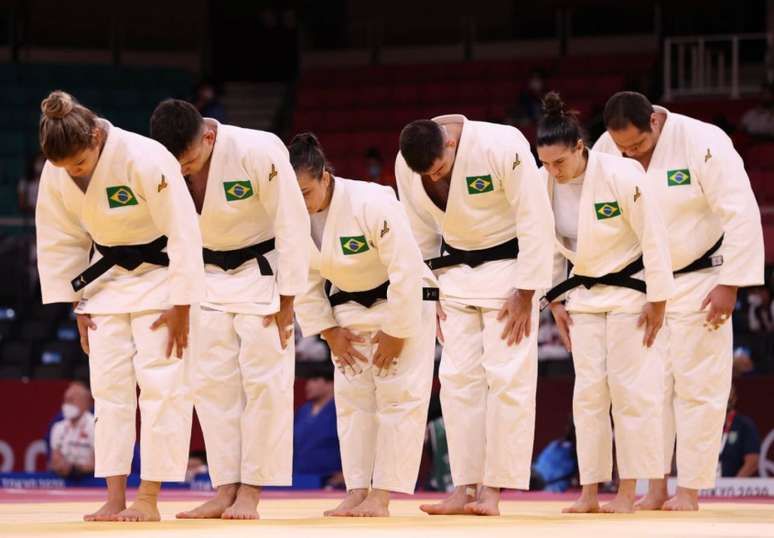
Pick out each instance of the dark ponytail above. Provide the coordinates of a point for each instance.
(558, 124)
(306, 154)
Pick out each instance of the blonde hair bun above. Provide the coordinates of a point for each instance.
(57, 105)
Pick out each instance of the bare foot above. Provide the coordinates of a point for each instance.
(651, 501)
(107, 512)
(584, 505)
(141, 510)
(487, 504)
(376, 504)
(622, 504)
(454, 504)
(686, 500)
(246, 504)
(354, 498)
(213, 508)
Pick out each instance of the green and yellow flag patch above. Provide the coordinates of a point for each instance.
(479, 184)
(678, 177)
(354, 244)
(237, 190)
(607, 210)
(120, 196)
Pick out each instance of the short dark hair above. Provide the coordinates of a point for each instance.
(175, 124)
(421, 143)
(626, 108)
(558, 124)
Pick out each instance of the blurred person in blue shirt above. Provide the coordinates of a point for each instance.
(315, 441)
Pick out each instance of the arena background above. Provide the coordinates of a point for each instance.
(355, 72)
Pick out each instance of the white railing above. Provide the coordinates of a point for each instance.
(710, 65)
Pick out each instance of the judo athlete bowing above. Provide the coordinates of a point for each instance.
(716, 243)
(371, 297)
(122, 196)
(609, 227)
(483, 223)
(253, 221)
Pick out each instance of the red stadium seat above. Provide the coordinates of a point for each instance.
(760, 156)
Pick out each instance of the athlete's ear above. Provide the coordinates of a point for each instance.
(209, 136)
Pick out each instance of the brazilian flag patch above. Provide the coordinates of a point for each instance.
(237, 190)
(607, 210)
(479, 184)
(353, 244)
(678, 177)
(120, 196)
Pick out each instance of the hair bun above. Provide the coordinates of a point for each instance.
(553, 106)
(306, 139)
(57, 105)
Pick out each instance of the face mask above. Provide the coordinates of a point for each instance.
(70, 411)
(374, 170)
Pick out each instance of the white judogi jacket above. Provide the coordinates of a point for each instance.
(136, 194)
(252, 195)
(366, 241)
(703, 192)
(495, 195)
(618, 221)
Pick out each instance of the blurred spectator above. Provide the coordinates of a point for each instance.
(197, 464)
(759, 121)
(207, 102)
(72, 438)
(315, 441)
(28, 186)
(375, 169)
(557, 465)
(310, 348)
(743, 362)
(531, 97)
(759, 317)
(741, 445)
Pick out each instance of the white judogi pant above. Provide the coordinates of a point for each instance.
(488, 398)
(243, 395)
(612, 366)
(124, 353)
(698, 380)
(381, 421)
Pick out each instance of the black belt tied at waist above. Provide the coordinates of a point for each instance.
(473, 258)
(367, 298)
(705, 261)
(622, 278)
(231, 259)
(129, 257)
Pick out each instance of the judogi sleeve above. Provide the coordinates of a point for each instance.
(389, 229)
(281, 197)
(172, 210)
(426, 232)
(727, 190)
(528, 197)
(312, 307)
(63, 244)
(640, 210)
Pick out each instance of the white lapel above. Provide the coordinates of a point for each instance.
(329, 243)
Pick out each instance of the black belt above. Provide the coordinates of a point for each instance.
(231, 259)
(130, 257)
(705, 261)
(368, 297)
(473, 258)
(622, 278)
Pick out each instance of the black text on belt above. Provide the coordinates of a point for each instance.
(622, 278)
(231, 259)
(473, 258)
(367, 298)
(129, 257)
